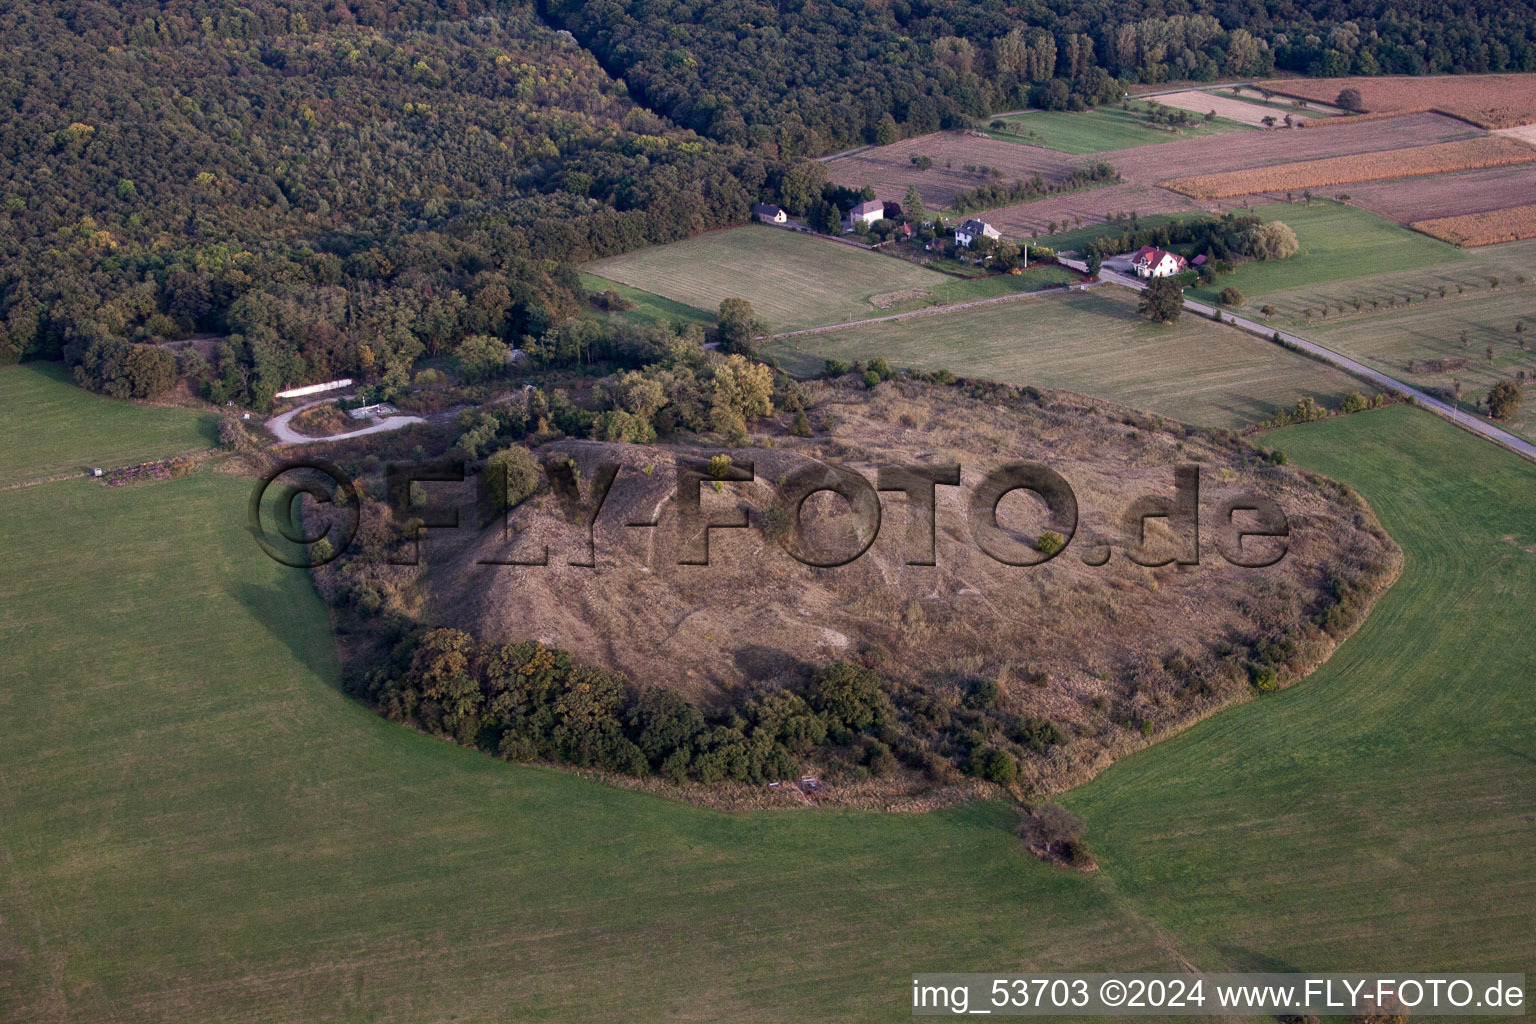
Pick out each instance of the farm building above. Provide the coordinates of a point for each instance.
(768, 213)
(864, 213)
(1150, 261)
(973, 229)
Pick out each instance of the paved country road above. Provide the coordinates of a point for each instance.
(285, 434)
(1476, 424)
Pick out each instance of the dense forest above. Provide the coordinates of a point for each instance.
(803, 76)
(331, 187)
(335, 187)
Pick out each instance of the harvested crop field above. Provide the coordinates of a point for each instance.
(1486, 228)
(793, 280)
(1446, 195)
(1093, 343)
(1200, 102)
(1492, 101)
(1466, 154)
(1090, 207)
(890, 168)
(1525, 133)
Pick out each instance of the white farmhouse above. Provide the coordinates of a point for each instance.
(865, 213)
(972, 229)
(1150, 261)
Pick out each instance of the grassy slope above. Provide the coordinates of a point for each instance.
(1103, 129)
(52, 427)
(1093, 343)
(793, 280)
(1379, 815)
(1339, 244)
(649, 308)
(199, 826)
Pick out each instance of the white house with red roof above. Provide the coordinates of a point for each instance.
(1150, 261)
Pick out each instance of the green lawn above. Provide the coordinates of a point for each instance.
(1379, 814)
(649, 308)
(53, 427)
(1434, 329)
(992, 286)
(1340, 244)
(199, 826)
(1102, 129)
(792, 279)
(1095, 343)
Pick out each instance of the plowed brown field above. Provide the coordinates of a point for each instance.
(890, 169)
(1446, 195)
(1485, 228)
(1493, 101)
(1467, 154)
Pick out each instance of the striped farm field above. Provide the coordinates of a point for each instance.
(793, 280)
(1486, 228)
(1093, 343)
(1463, 155)
(1491, 101)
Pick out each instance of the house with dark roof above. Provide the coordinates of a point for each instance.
(972, 229)
(768, 213)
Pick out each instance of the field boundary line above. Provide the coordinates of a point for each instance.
(935, 310)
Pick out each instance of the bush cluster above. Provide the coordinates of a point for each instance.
(526, 701)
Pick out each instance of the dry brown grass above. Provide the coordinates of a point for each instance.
(1088, 647)
(1467, 154)
(1490, 101)
(1487, 228)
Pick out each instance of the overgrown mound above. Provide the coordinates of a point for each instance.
(1033, 676)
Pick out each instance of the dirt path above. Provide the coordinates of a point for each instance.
(285, 434)
(1475, 424)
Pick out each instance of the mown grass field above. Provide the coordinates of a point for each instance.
(649, 308)
(1095, 343)
(1379, 814)
(52, 427)
(1101, 129)
(1340, 245)
(199, 826)
(793, 280)
(1433, 329)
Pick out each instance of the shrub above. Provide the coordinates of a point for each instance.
(1264, 677)
(1267, 310)
(1355, 402)
(719, 466)
(1504, 399)
(995, 766)
(800, 426)
(1049, 543)
(1231, 296)
(512, 475)
(1055, 833)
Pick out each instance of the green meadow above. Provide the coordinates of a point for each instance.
(1094, 343)
(52, 427)
(1101, 129)
(198, 825)
(1340, 245)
